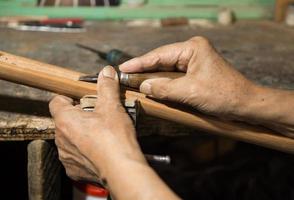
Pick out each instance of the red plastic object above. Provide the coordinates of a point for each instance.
(90, 189)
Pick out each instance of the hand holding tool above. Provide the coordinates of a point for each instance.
(135, 80)
(116, 57)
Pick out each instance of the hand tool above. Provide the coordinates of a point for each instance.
(50, 25)
(158, 159)
(135, 80)
(64, 81)
(114, 57)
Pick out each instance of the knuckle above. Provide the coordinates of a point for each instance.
(61, 156)
(61, 123)
(199, 40)
(70, 173)
(76, 173)
(66, 118)
(104, 104)
(108, 91)
(57, 99)
(66, 159)
(100, 103)
(152, 59)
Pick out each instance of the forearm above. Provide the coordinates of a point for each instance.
(272, 108)
(133, 179)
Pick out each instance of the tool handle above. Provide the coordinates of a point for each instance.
(116, 57)
(135, 80)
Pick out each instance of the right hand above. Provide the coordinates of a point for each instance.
(90, 142)
(210, 85)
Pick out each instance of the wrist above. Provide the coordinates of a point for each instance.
(116, 164)
(266, 106)
(138, 179)
(106, 160)
(250, 105)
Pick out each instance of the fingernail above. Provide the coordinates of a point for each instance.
(109, 72)
(145, 88)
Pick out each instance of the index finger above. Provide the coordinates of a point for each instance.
(59, 103)
(165, 58)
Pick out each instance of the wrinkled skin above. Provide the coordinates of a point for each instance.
(77, 132)
(102, 144)
(211, 85)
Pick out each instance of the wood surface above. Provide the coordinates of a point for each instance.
(135, 80)
(44, 179)
(238, 131)
(24, 128)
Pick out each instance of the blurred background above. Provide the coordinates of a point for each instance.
(147, 9)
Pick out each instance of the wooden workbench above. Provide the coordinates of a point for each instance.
(261, 50)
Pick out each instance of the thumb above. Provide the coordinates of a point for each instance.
(164, 88)
(108, 86)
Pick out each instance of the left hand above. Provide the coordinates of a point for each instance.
(90, 143)
(211, 85)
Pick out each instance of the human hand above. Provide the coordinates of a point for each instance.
(210, 85)
(90, 143)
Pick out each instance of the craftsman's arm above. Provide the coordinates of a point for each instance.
(213, 86)
(271, 107)
(103, 144)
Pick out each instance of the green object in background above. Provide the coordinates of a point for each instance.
(153, 9)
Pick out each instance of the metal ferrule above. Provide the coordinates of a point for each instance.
(124, 78)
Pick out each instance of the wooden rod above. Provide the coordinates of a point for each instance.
(37, 79)
(69, 86)
(235, 130)
(26, 63)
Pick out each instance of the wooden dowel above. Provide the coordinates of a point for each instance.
(37, 79)
(238, 131)
(26, 63)
(70, 87)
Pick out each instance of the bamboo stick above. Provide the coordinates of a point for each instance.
(26, 63)
(40, 76)
(37, 79)
(234, 130)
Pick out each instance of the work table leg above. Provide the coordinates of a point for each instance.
(44, 179)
